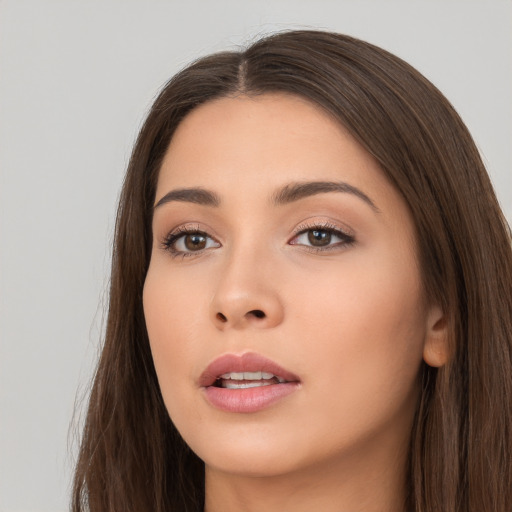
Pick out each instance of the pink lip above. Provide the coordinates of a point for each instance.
(250, 399)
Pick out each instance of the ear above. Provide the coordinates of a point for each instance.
(435, 348)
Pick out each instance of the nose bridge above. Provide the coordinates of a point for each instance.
(246, 293)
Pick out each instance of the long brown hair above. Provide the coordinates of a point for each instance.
(133, 459)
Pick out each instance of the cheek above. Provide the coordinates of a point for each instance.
(367, 328)
(360, 297)
(171, 330)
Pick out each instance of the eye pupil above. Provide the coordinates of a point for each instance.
(195, 242)
(319, 237)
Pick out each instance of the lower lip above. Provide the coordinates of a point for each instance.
(248, 399)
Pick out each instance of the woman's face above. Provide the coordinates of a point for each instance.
(280, 247)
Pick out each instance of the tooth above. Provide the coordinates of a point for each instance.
(252, 375)
(229, 384)
(232, 375)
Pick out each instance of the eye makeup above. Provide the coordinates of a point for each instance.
(188, 240)
(317, 237)
(322, 236)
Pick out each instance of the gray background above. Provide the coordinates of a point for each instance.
(75, 81)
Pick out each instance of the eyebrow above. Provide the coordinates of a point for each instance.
(296, 191)
(191, 195)
(288, 194)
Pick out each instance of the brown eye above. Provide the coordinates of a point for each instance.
(319, 238)
(195, 241)
(188, 242)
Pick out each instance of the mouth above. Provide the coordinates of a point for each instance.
(248, 370)
(244, 380)
(246, 383)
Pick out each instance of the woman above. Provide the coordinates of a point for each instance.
(311, 300)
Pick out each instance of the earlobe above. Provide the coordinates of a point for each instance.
(435, 348)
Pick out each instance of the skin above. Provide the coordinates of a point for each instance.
(351, 321)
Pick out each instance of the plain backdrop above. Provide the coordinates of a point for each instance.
(76, 78)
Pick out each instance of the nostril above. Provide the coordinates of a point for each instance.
(221, 317)
(257, 313)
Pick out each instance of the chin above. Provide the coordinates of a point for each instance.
(249, 455)
(251, 465)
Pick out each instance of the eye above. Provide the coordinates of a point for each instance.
(322, 238)
(186, 242)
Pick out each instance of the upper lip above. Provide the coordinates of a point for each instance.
(248, 362)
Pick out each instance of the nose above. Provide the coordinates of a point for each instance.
(246, 296)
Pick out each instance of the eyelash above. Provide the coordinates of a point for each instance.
(347, 239)
(170, 240)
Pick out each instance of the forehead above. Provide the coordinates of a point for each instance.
(245, 146)
(265, 132)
